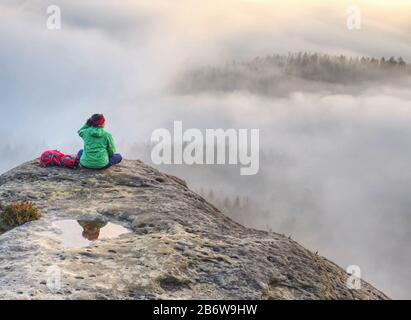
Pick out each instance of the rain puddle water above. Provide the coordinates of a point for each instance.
(81, 233)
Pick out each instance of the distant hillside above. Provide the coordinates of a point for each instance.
(280, 74)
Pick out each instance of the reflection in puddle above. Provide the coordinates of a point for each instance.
(80, 233)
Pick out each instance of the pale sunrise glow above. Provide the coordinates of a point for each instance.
(309, 102)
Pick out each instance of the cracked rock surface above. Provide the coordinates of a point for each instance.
(180, 246)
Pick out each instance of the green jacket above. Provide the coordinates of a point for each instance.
(98, 146)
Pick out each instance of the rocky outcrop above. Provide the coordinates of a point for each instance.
(180, 246)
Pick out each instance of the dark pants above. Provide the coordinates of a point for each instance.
(113, 159)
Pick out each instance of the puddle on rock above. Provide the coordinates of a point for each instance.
(80, 233)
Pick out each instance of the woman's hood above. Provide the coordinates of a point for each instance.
(96, 132)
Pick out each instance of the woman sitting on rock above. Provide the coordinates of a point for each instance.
(99, 150)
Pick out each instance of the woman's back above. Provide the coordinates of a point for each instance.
(98, 147)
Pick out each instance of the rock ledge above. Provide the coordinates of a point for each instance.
(180, 247)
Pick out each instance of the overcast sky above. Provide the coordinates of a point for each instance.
(119, 57)
(109, 54)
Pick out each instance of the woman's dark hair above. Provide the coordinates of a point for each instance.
(96, 120)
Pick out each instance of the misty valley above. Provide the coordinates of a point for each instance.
(243, 150)
(323, 163)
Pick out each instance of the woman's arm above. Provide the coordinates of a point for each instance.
(111, 148)
(82, 130)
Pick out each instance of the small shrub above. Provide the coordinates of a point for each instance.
(19, 213)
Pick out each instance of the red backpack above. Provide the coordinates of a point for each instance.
(69, 161)
(56, 158)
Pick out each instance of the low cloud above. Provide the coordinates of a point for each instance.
(334, 167)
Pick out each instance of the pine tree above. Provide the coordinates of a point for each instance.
(392, 61)
(237, 204)
(401, 62)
